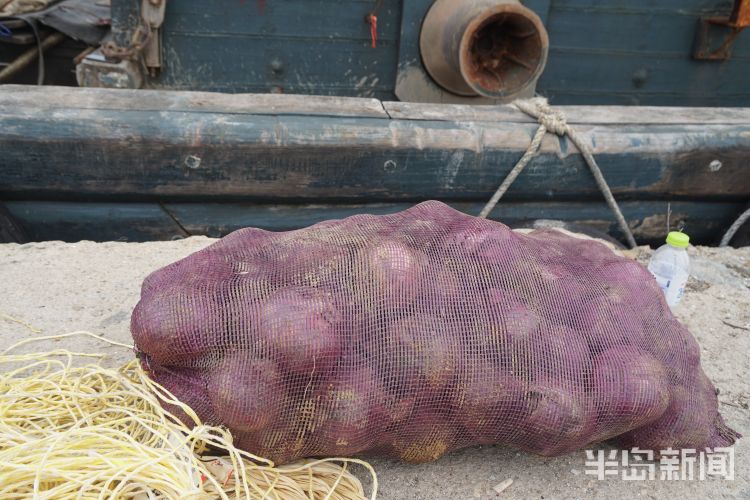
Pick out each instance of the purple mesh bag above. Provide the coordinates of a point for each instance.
(417, 333)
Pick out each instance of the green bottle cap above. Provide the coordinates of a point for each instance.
(678, 239)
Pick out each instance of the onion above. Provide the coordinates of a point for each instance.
(676, 349)
(395, 270)
(350, 413)
(420, 354)
(189, 387)
(558, 352)
(299, 328)
(247, 393)
(518, 320)
(425, 438)
(488, 402)
(175, 328)
(605, 324)
(630, 389)
(560, 419)
(688, 422)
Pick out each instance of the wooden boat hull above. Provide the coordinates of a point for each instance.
(109, 164)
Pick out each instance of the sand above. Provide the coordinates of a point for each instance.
(62, 287)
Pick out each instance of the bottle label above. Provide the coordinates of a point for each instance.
(672, 286)
(663, 282)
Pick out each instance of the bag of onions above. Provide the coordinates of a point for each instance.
(414, 334)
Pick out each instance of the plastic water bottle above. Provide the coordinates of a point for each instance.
(670, 265)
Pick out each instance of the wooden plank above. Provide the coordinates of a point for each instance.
(583, 69)
(316, 67)
(681, 6)
(648, 220)
(77, 221)
(293, 46)
(637, 28)
(598, 50)
(73, 221)
(598, 97)
(10, 230)
(160, 155)
(589, 115)
(290, 19)
(50, 98)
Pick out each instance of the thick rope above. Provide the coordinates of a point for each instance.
(734, 228)
(554, 121)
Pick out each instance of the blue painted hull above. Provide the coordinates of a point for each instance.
(145, 164)
(631, 52)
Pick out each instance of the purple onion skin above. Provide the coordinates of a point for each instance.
(561, 418)
(176, 330)
(396, 271)
(488, 402)
(607, 324)
(247, 393)
(421, 355)
(278, 443)
(692, 420)
(189, 386)
(677, 350)
(518, 320)
(350, 410)
(687, 423)
(630, 389)
(427, 437)
(559, 352)
(298, 328)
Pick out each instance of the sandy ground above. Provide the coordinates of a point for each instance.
(60, 287)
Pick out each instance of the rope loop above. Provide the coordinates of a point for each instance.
(554, 121)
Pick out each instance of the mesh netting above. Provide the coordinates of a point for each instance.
(413, 334)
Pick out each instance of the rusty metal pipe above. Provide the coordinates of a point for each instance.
(492, 48)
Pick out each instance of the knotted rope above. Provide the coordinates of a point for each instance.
(551, 120)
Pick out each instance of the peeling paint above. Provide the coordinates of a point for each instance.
(452, 168)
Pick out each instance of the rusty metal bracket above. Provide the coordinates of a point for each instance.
(122, 66)
(716, 35)
(132, 50)
(146, 39)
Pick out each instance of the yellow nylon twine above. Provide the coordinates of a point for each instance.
(72, 430)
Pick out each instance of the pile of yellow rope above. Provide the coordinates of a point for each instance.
(79, 430)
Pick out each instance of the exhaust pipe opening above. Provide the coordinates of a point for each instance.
(492, 48)
(502, 55)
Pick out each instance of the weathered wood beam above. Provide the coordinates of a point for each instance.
(73, 221)
(109, 144)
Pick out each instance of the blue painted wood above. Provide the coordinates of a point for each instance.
(602, 52)
(616, 73)
(625, 52)
(291, 46)
(104, 164)
(309, 66)
(74, 221)
(152, 155)
(43, 221)
(647, 219)
(125, 18)
(662, 30)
